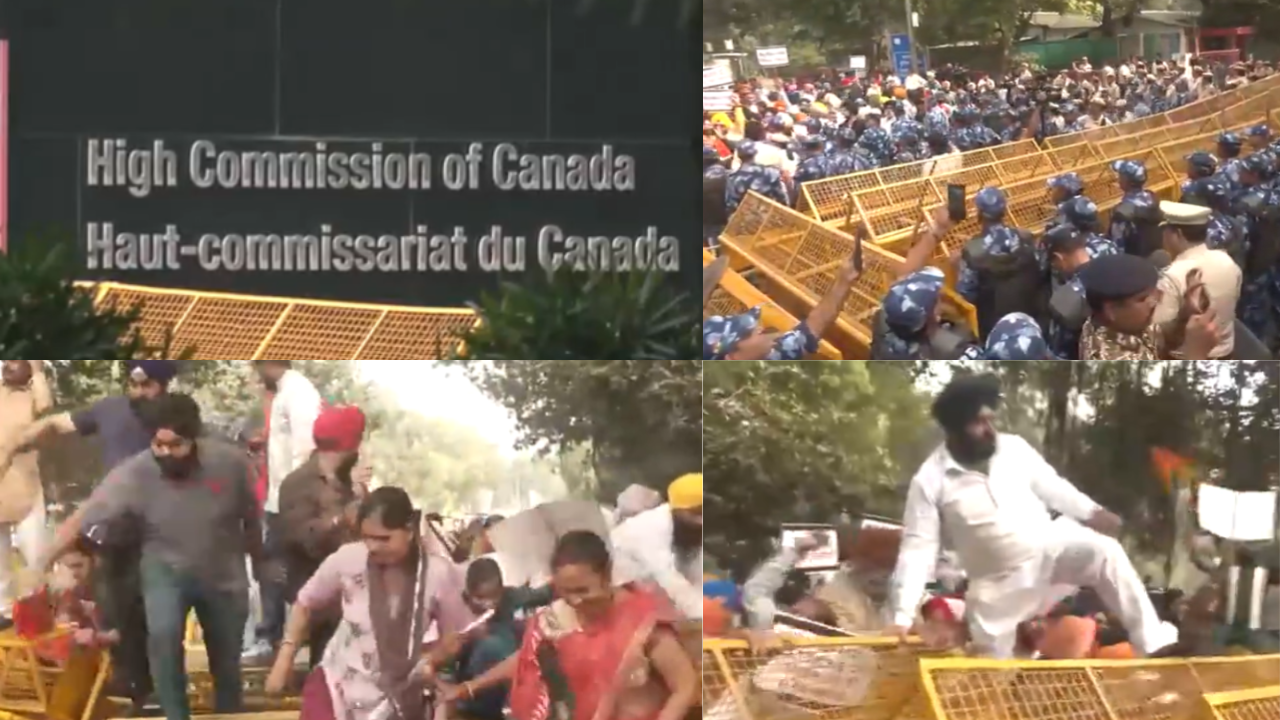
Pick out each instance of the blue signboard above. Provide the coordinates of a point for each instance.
(900, 52)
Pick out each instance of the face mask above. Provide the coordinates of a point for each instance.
(172, 467)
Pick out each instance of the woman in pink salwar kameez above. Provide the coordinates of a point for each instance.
(391, 591)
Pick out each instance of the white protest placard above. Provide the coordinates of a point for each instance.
(857, 62)
(1232, 515)
(717, 100)
(826, 555)
(716, 75)
(772, 57)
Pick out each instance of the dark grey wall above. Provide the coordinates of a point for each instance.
(420, 75)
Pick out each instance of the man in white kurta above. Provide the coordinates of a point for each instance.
(991, 493)
(662, 547)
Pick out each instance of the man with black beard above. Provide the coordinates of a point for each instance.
(194, 504)
(663, 547)
(990, 493)
(118, 422)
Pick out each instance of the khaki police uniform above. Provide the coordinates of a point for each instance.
(1220, 274)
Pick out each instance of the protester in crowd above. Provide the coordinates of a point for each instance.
(600, 650)
(193, 501)
(75, 607)
(496, 641)
(24, 395)
(951, 495)
(120, 422)
(295, 404)
(390, 592)
(318, 506)
(663, 546)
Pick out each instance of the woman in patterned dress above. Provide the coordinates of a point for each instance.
(391, 590)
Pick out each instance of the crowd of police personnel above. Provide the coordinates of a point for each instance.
(1195, 278)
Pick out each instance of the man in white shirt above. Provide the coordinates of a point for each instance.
(295, 405)
(990, 494)
(663, 547)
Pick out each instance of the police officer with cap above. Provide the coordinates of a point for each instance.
(846, 160)
(751, 176)
(715, 176)
(814, 165)
(1135, 220)
(909, 324)
(1259, 206)
(1228, 149)
(1258, 136)
(1067, 251)
(1185, 232)
(1081, 213)
(1121, 293)
(1225, 231)
(1062, 189)
(1017, 336)
(743, 337)
(999, 270)
(1200, 164)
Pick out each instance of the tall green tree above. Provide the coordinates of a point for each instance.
(640, 421)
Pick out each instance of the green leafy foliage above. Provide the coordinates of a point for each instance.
(43, 313)
(639, 422)
(444, 465)
(805, 442)
(569, 316)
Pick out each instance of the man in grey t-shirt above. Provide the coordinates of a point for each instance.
(195, 507)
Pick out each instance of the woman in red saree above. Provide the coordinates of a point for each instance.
(600, 652)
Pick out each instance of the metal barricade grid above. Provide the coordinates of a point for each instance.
(221, 326)
(978, 689)
(868, 678)
(734, 295)
(1255, 704)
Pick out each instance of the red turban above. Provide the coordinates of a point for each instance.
(339, 428)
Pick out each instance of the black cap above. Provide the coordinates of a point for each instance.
(1116, 277)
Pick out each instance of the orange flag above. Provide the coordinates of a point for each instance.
(1170, 466)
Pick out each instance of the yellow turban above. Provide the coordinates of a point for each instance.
(685, 492)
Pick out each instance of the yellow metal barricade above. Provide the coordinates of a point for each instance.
(977, 689)
(223, 326)
(1254, 704)
(871, 678)
(734, 294)
(799, 255)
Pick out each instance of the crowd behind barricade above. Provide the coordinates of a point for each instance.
(1013, 582)
(399, 619)
(1195, 279)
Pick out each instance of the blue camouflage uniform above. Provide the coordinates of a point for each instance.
(907, 307)
(1225, 230)
(814, 166)
(1259, 307)
(721, 336)
(1082, 214)
(712, 168)
(752, 177)
(1229, 167)
(1200, 164)
(878, 144)
(1017, 336)
(1071, 186)
(845, 159)
(997, 238)
(1124, 232)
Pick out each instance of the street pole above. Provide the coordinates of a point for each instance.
(911, 39)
